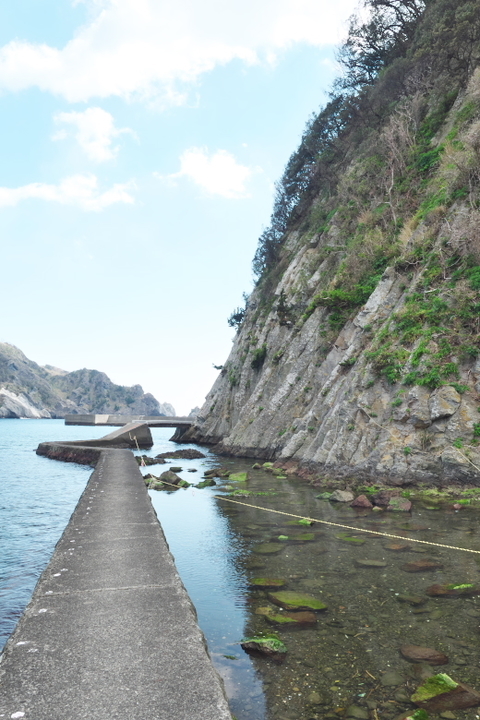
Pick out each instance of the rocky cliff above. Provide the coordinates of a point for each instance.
(31, 391)
(358, 353)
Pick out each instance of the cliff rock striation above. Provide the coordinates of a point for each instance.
(28, 390)
(358, 352)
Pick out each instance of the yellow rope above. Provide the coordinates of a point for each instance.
(346, 527)
(339, 525)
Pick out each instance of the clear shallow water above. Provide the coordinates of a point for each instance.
(340, 661)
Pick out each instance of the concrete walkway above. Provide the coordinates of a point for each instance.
(110, 632)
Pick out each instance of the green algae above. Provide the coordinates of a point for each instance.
(269, 642)
(465, 586)
(264, 582)
(238, 477)
(433, 686)
(282, 537)
(267, 464)
(418, 715)
(291, 600)
(345, 537)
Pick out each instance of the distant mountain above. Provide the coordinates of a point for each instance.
(31, 391)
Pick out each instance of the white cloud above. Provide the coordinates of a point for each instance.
(157, 47)
(95, 131)
(218, 173)
(78, 190)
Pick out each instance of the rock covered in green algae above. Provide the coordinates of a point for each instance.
(345, 537)
(292, 620)
(170, 477)
(267, 465)
(302, 521)
(208, 482)
(266, 644)
(238, 477)
(264, 582)
(440, 693)
(291, 600)
(269, 548)
(418, 715)
(399, 504)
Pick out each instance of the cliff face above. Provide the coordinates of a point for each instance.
(359, 352)
(28, 390)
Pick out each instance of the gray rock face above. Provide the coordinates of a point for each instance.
(323, 409)
(28, 390)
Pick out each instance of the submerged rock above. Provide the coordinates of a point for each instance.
(345, 537)
(422, 566)
(440, 693)
(268, 582)
(411, 599)
(238, 477)
(303, 619)
(370, 563)
(419, 654)
(397, 547)
(459, 590)
(291, 600)
(392, 678)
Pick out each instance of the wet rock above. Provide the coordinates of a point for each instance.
(254, 564)
(345, 537)
(170, 477)
(422, 566)
(447, 715)
(176, 469)
(419, 654)
(343, 496)
(362, 502)
(303, 537)
(267, 465)
(370, 563)
(268, 645)
(440, 693)
(186, 454)
(397, 546)
(401, 696)
(192, 470)
(256, 466)
(383, 497)
(465, 590)
(314, 698)
(303, 619)
(392, 678)
(269, 548)
(355, 711)
(411, 599)
(145, 460)
(268, 582)
(208, 482)
(296, 601)
(238, 477)
(399, 504)
(422, 671)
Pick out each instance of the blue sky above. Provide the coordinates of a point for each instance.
(140, 141)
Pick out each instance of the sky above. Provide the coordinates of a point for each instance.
(140, 141)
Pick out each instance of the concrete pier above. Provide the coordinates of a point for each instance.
(110, 632)
(150, 420)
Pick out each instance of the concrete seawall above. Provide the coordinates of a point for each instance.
(110, 632)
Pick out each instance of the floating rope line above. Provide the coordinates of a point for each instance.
(346, 527)
(334, 524)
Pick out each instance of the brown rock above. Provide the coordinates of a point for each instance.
(362, 502)
(383, 497)
(419, 654)
(458, 698)
(397, 546)
(467, 590)
(421, 566)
